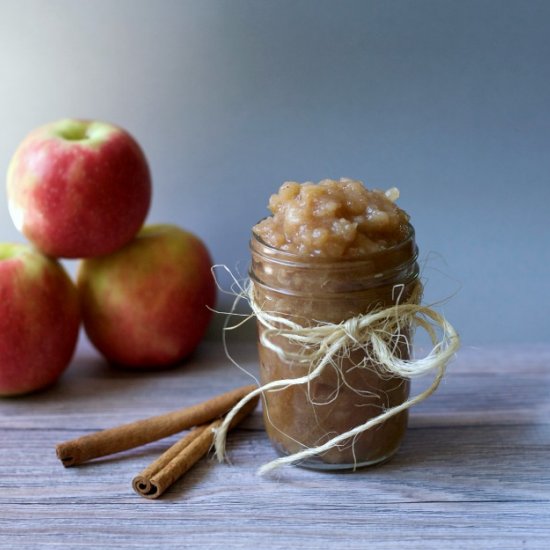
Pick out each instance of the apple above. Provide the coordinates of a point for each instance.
(39, 319)
(147, 305)
(79, 188)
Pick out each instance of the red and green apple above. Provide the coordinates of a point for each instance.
(147, 305)
(79, 188)
(39, 320)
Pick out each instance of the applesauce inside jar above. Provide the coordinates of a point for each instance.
(331, 252)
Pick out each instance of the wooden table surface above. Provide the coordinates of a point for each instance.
(473, 472)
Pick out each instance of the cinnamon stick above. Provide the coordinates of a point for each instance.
(134, 434)
(178, 459)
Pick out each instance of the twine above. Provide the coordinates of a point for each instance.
(320, 346)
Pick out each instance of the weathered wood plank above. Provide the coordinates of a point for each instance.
(151, 526)
(466, 464)
(474, 469)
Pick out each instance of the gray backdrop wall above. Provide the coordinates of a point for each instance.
(447, 100)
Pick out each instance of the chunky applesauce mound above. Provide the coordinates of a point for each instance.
(337, 219)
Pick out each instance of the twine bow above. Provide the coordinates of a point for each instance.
(320, 345)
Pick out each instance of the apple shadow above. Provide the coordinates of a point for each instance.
(90, 375)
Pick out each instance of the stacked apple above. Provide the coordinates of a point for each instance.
(82, 189)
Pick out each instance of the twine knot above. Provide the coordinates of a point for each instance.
(351, 328)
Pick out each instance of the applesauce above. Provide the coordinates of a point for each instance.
(330, 252)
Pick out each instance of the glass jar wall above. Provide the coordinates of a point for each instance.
(312, 291)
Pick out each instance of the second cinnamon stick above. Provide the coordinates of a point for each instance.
(161, 474)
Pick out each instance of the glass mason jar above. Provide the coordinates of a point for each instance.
(311, 291)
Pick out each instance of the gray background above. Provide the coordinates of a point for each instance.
(447, 100)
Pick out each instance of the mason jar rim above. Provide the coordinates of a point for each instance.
(285, 257)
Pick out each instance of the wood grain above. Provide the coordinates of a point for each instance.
(473, 472)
